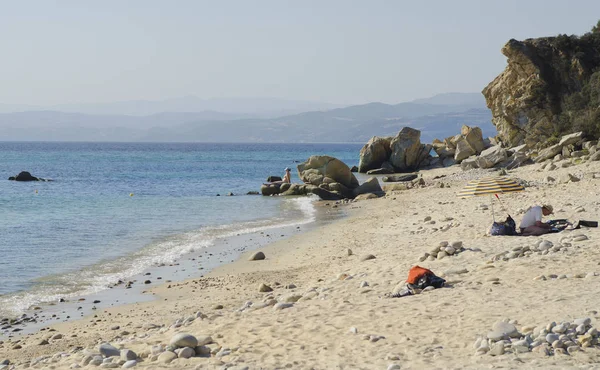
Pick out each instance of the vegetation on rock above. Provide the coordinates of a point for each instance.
(550, 87)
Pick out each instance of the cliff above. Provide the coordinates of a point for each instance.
(549, 88)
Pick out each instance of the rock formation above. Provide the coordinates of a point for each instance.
(327, 177)
(402, 153)
(548, 89)
(26, 176)
(319, 169)
(374, 153)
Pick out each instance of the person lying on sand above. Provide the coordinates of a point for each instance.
(532, 224)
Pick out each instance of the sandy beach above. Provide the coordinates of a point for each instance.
(328, 307)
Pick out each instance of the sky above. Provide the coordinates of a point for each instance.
(343, 52)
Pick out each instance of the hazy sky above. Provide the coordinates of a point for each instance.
(346, 52)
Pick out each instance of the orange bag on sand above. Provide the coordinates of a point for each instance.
(416, 272)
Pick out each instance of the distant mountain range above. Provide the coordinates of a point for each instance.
(437, 117)
(235, 107)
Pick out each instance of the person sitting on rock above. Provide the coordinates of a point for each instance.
(287, 178)
(532, 224)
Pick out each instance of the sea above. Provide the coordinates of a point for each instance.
(115, 209)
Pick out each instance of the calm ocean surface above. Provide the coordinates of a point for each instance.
(83, 231)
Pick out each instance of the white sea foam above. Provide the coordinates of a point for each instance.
(95, 278)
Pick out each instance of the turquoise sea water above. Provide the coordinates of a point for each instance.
(84, 230)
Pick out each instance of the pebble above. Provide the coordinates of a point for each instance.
(128, 355)
(583, 321)
(186, 352)
(181, 340)
(96, 361)
(166, 357)
(263, 288)
(393, 367)
(367, 257)
(129, 364)
(497, 349)
(282, 305)
(551, 338)
(257, 256)
(108, 350)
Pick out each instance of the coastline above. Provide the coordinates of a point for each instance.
(339, 317)
(225, 248)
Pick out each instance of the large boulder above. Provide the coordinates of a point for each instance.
(317, 167)
(469, 163)
(326, 194)
(269, 189)
(295, 189)
(573, 138)
(374, 153)
(473, 136)
(369, 186)
(491, 156)
(548, 153)
(341, 189)
(407, 150)
(516, 160)
(463, 150)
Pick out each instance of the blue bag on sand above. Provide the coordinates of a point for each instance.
(508, 227)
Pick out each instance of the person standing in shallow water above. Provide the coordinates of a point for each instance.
(532, 224)
(287, 178)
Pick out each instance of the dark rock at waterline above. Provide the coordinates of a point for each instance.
(353, 169)
(326, 194)
(380, 171)
(399, 178)
(273, 178)
(253, 193)
(270, 189)
(26, 176)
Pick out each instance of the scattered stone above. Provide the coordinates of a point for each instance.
(367, 257)
(108, 350)
(128, 355)
(552, 339)
(282, 305)
(263, 288)
(181, 340)
(166, 357)
(257, 256)
(186, 352)
(129, 364)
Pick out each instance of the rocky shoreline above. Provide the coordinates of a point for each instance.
(320, 293)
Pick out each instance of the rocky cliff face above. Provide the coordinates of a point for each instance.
(548, 88)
